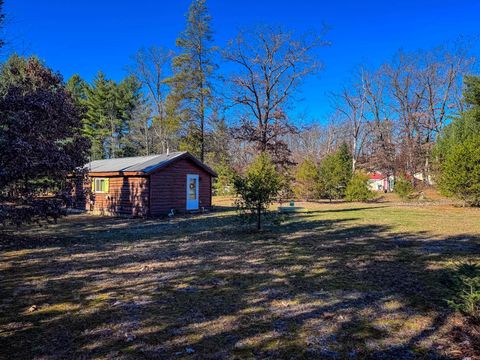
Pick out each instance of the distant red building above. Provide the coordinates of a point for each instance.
(380, 182)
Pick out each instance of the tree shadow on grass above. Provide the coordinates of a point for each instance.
(341, 210)
(204, 288)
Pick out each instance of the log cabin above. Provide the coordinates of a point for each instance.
(144, 186)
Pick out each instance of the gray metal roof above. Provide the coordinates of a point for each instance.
(144, 164)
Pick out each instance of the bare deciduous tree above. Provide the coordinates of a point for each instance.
(380, 145)
(270, 65)
(441, 77)
(424, 88)
(395, 113)
(151, 69)
(352, 104)
(407, 94)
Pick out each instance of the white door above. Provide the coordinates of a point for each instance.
(192, 192)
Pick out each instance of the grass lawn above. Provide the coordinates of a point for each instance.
(339, 281)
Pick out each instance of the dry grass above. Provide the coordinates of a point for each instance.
(337, 281)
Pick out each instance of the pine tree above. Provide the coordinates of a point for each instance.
(357, 188)
(306, 180)
(218, 141)
(335, 173)
(95, 122)
(192, 80)
(224, 183)
(403, 187)
(77, 87)
(109, 110)
(218, 155)
(461, 172)
(457, 151)
(258, 188)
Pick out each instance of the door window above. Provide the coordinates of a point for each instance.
(192, 189)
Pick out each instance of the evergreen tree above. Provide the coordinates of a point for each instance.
(335, 173)
(468, 124)
(95, 123)
(218, 150)
(403, 187)
(128, 102)
(191, 83)
(457, 151)
(224, 183)
(357, 188)
(306, 180)
(461, 172)
(77, 87)
(258, 188)
(109, 111)
(218, 155)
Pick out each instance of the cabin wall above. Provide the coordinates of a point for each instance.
(168, 187)
(127, 195)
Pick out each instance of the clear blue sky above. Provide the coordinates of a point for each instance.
(86, 36)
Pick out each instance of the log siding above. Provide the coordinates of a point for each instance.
(168, 188)
(153, 194)
(126, 195)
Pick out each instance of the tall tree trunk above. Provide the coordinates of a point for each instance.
(426, 170)
(259, 217)
(354, 154)
(202, 125)
(112, 140)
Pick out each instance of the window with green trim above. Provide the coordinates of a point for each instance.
(100, 185)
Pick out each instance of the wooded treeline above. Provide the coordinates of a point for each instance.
(181, 100)
(390, 116)
(393, 115)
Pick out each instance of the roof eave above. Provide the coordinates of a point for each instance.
(117, 173)
(185, 155)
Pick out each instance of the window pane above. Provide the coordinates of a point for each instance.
(192, 189)
(100, 185)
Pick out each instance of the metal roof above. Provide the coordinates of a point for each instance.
(144, 164)
(376, 176)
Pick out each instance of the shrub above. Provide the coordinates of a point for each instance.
(285, 191)
(403, 187)
(357, 188)
(258, 188)
(460, 171)
(306, 180)
(465, 283)
(334, 173)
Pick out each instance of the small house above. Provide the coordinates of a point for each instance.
(380, 182)
(152, 185)
(426, 180)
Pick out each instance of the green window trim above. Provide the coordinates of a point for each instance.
(100, 185)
